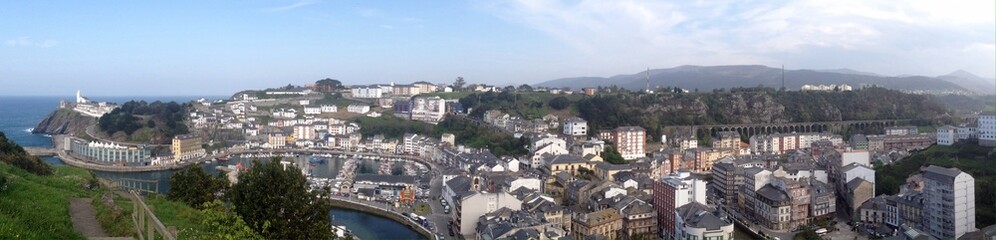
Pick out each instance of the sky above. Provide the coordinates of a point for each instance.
(164, 48)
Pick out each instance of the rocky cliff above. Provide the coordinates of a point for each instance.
(64, 121)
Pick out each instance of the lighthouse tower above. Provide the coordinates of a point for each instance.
(80, 98)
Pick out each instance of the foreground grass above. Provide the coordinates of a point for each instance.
(37, 207)
(185, 219)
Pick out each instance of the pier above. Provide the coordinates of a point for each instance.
(41, 152)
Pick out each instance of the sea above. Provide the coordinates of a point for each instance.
(19, 115)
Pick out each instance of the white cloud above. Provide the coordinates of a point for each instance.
(292, 6)
(28, 42)
(626, 34)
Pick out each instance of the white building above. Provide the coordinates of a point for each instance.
(987, 129)
(470, 209)
(428, 109)
(329, 108)
(312, 110)
(967, 132)
(688, 188)
(546, 145)
(92, 109)
(575, 127)
(276, 141)
(372, 91)
(698, 221)
(304, 132)
(528, 183)
(780, 143)
(946, 135)
(949, 205)
(357, 108)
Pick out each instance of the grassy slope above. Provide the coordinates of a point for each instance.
(37, 207)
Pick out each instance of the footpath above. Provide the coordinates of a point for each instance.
(85, 219)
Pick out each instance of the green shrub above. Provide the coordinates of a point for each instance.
(3, 184)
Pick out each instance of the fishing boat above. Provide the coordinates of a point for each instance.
(316, 160)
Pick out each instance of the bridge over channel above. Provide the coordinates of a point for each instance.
(747, 130)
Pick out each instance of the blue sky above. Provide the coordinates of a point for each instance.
(129, 48)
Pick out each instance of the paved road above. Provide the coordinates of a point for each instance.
(439, 218)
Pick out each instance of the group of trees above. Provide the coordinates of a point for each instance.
(328, 85)
(13, 154)
(392, 127)
(471, 134)
(166, 118)
(527, 105)
(268, 201)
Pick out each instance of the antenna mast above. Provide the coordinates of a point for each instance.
(648, 79)
(783, 77)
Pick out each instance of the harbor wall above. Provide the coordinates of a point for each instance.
(383, 213)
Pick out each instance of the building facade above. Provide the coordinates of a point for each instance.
(630, 142)
(946, 135)
(606, 223)
(187, 146)
(987, 129)
(950, 202)
(575, 127)
(110, 153)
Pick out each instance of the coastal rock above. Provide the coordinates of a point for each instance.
(64, 121)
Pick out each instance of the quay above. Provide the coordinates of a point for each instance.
(72, 161)
(40, 152)
(357, 205)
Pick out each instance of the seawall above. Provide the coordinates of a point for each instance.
(340, 203)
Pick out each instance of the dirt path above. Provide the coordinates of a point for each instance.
(84, 218)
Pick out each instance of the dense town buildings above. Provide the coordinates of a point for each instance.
(562, 187)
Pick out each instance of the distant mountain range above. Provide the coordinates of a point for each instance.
(707, 78)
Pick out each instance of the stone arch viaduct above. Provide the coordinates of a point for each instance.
(747, 130)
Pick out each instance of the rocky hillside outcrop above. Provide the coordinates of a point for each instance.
(64, 121)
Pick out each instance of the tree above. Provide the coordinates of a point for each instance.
(193, 186)
(224, 223)
(151, 123)
(612, 156)
(458, 84)
(559, 103)
(525, 88)
(276, 202)
(327, 85)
